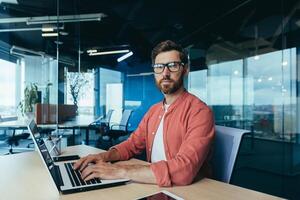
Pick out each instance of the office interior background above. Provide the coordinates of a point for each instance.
(244, 63)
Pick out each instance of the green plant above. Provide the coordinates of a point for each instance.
(30, 98)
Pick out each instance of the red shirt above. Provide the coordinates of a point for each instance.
(188, 132)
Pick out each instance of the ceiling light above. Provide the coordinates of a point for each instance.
(109, 52)
(256, 57)
(259, 80)
(64, 33)
(58, 42)
(49, 34)
(64, 18)
(91, 51)
(48, 28)
(270, 78)
(125, 56)
(236, 72)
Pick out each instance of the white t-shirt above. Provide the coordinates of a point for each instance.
(158, 149)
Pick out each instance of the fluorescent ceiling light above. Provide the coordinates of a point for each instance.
(9, 1)
(47, 28)
(65, 18)
(125, 56)
(49, 34)
(91, 51)
(28, 29)
(53, 19)
(108, 52)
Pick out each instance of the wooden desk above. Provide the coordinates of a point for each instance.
(23, 176)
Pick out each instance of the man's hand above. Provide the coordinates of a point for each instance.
(111, 155)
(92, 158)
(103, 170)
(135, 172)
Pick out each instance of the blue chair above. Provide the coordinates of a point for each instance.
(226, 147)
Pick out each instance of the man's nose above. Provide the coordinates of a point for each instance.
(166, 72)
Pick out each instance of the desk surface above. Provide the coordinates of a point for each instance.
(23, 176)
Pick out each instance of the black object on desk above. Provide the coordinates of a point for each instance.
(65, 158)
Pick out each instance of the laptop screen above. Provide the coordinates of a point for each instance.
(39, 142)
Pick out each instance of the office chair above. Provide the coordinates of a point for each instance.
(117, 130)
(103, 120)
(225, 150)
(101, 124)
(15, 140)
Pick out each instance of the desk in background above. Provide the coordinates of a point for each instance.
(23, 176)
(79, 122)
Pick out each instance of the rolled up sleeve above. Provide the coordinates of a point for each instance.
(135, 144)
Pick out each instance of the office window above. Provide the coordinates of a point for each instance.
(197, 82)
(274, 93)
(111, 93)
(257, 93)
(7, 88)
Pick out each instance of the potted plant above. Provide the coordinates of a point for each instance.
(30, 98)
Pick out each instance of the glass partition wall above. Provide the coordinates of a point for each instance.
(253, 84)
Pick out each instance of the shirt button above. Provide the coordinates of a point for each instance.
(153, 133)
(149, 149)
(159, 116)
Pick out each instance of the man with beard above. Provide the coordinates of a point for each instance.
(176, 132)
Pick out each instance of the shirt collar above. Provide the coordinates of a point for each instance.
(176, 102)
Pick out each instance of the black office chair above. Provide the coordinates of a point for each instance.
(14, 140)
(102, 121)
(115, 131)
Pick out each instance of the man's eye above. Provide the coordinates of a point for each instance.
(171, 64)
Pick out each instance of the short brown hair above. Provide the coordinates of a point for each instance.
(169, 45)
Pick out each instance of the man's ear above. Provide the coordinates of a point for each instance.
(186, 70)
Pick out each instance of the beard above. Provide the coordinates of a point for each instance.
(170, 88)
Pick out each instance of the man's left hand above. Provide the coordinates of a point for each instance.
(103, 170)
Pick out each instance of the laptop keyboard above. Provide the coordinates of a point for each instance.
(75, 176)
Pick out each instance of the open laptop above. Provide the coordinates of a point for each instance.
(66, 179)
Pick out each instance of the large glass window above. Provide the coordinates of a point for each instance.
(7, 88)
(111, 93)
(274, 102)
(257, 93)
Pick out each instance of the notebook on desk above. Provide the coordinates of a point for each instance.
(66, 179)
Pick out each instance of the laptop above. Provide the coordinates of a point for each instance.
(66, 179)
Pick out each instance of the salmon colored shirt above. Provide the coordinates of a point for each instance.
(188, 132)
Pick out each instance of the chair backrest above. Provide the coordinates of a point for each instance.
(125, 118)
(108, 116)
(226, 147)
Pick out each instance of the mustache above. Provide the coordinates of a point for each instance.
(166, 79)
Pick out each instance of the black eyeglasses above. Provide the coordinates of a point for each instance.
(172, 67)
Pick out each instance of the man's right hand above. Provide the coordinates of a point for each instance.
(108, 156)
(92, 158)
